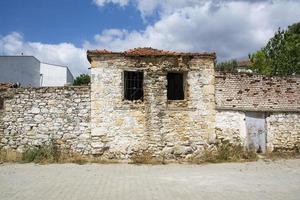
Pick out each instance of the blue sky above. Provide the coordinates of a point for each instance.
(59, 21)
(60, 31)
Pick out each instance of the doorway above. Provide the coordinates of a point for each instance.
(256, 131)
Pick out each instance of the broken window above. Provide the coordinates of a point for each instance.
(133, 85)
(1, 103)
(175, 86)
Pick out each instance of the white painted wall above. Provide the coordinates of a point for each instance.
(53, 75)
(231, 126)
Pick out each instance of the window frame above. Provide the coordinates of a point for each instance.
(182, 97)
(1, 103)
(140, 82)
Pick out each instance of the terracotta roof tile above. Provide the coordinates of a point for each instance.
(244, 63)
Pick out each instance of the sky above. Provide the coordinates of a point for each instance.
(61, 31)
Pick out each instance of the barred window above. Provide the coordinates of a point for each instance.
(175, 86)
(1, 103)
(133, 85)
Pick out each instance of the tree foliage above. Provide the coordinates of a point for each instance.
(82, 79)
(281, 55)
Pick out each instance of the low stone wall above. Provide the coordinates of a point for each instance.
(284, 131)
(35, 116)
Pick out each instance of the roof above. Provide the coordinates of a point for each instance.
(250, 92)
(19, 56)
(244, 63)
(147, 51)
(57, 65)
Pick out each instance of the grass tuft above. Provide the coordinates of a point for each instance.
(224, 152)
(144, 157)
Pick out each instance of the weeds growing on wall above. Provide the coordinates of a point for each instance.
(48, 153)
(144, 157)
(224, 152)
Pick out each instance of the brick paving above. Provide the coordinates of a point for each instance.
(257, 180)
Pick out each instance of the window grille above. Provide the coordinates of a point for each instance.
(1, 103)
(175, 86)
(133, 85)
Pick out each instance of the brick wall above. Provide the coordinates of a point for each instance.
(257, 93)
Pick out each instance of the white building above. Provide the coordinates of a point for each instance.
(29, 71)
(55, 75)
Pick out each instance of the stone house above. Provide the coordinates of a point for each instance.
(152, 100)
(168, 104)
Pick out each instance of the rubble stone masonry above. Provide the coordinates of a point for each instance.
(283, 131)
(164, 128)
(277, 97)
(35, 116)
(97, 120)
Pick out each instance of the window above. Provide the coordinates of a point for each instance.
(175, 86)
(1, 103)
(133, 85)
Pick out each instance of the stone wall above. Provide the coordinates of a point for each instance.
(283, 129)
(230, 126)
(34, 116)
(169, 129)
(1, 124)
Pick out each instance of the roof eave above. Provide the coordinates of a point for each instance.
(95, 53)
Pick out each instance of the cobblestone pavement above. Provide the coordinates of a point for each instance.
(257, 180)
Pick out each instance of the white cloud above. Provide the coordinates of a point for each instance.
(104, 2)
(232, 28)
(63, 53)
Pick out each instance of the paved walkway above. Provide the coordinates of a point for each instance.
(257, 180)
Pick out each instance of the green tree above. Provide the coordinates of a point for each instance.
(82, 79)
(281, 55)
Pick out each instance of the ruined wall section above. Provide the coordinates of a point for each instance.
(230, 126)
(283, 132)
(170, 129)
(35, 116)
(1, 125)
(283, 129)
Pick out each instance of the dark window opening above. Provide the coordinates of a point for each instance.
(133, 85)
(175, 86)
(1, 103)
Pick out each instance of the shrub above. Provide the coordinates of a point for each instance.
(48, 153)
(82, 79)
